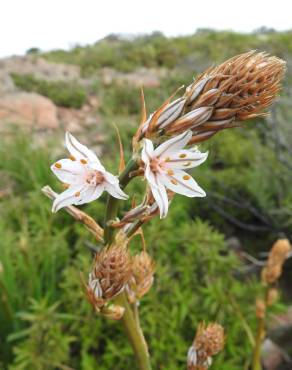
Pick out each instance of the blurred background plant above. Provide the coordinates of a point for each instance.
(207, 270)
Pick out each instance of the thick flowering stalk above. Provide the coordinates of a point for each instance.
(84, 176)
(164, 169)
(208, 341)
(236, 90)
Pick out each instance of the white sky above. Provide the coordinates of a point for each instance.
(50, 24)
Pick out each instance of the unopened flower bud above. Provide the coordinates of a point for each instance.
(260, 309)
(113, 312)
(171, 112)
(272, 296)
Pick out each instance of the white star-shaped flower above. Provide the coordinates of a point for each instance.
(84, 176)
(164, 169)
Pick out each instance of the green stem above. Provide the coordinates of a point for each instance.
(135, 334)
(256, 361)
(113, 203)
(131, 326)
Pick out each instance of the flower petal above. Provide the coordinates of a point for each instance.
(90, 194)
(68, 171)
(150, 176)
(160, 196)
(185, 159)
(182, 183)
(111, 178)
(173, 145)
(147, 151)
(115, 191)
(67, 198)
(78, 150)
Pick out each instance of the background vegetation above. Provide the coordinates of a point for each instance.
(46, 322)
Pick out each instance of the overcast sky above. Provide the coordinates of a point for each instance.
(50, 24)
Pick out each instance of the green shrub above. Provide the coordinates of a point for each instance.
(64, 94)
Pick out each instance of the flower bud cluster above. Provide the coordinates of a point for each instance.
(208, 341)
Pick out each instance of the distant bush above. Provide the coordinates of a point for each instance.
(64, 94)
(156, 50)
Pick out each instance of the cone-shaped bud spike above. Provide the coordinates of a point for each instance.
(238, 89)
(142, 278)
(277, 256)
(110, 274)
(208, 341)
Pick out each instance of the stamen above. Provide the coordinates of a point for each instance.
(77, 194)
(186, 177)
(72, 158)
(83, 161)
(186, 164)
(65, 186)
(170, 172)
(182, 155)
(167, 159)
(58, 165)
(174, 182)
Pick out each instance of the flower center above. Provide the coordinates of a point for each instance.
(156, 164)
(94, 178)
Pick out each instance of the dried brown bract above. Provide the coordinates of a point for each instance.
(142, 278)
(278, 254)
(208, 342)
(236, 90)
(110, 273)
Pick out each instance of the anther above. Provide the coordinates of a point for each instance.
(186, 177)
(174, 182)
(83, 161)
(182, 155)
(72, 158)
(170, 172)
(58, 165)
(77, 194)
(186, 164)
